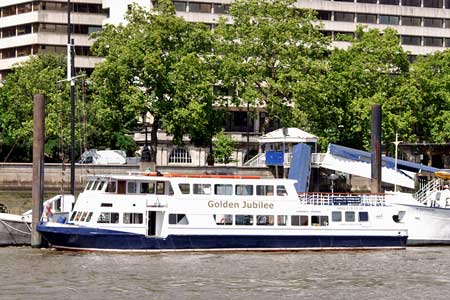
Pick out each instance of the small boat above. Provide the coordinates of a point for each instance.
(176, 212)
(15, 230)
(426, 214)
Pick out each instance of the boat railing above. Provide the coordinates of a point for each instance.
(342, 199)
(425, 192)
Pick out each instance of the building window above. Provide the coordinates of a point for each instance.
(367, 1)
(417, 3)
(411, 40)
(432, 41)
(221, 8)
(8, 32)
(8, 53)
(432, 22)
(411, 21)
(344, 17)
(24, 29)
(324, 15)
(200, 7)
(447, 42)
(366, 18)
(433, 3)
(180, 156)
(8, 11)
(390, 2)
(179, 6)
(391, 20)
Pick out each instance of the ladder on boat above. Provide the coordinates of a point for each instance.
(425, 191)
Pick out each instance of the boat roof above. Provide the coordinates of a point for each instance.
(190, 177)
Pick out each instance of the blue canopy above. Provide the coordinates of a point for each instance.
(388, 162)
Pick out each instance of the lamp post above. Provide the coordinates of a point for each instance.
(71, 79)
(396, 143)
(145, 151)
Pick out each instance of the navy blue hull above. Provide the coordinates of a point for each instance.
(98, 239)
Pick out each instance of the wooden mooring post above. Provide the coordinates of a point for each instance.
(38, 167)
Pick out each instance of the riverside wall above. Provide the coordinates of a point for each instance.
(19, 176)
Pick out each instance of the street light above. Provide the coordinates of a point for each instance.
(145, 157)
(333, 178)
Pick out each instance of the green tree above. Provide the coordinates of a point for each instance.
(373, 69)
(37, 75)
(273, 55)
(156, 63)
(223, 147)
(431, 76)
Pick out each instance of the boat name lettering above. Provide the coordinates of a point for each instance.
(245, 204)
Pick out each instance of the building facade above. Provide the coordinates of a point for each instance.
(32, 27)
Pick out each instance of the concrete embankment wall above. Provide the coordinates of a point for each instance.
(19, 176)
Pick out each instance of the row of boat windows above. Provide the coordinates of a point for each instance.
(108, 217)
(163, 187)
(279, 220)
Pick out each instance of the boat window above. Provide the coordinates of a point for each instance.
(100, 186)
(336, 216)
(83, 216)
(319, 220)
(244, 220)
(264, 190)
(133, 218)
(282, 220)
(299, 220)
(179, 219)
(147, 187)
(121, 187)
(89, 185)
(160, 187)
(111, 187)
(349, 216)
(185, 188)
(281, 190)
(131, 187)
(202, 189)
(88, 219)
(77, 217)
(223, 219)
(244, 189)
(265, 220)
(223, 189)
(363, 216)
(94, 187)
(170, 189)
(106, 205)
(73, 216)
(107, 217)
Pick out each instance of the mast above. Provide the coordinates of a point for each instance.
(70, 77)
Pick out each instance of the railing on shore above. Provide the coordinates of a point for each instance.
(341, 199)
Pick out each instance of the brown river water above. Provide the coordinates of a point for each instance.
(414, 273)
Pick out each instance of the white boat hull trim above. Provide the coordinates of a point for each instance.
(182, 213)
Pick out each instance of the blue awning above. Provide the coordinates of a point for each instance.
(388, 162)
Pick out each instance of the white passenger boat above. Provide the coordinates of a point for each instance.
(15, 230)
(214, 213)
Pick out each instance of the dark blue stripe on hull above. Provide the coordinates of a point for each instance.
(111, 240)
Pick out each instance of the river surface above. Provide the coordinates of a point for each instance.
(415, 273)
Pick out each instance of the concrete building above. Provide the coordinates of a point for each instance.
(31, 27)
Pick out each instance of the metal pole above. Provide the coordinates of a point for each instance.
(376, 149)
(70, 75)
(38, 167)
(396, 143)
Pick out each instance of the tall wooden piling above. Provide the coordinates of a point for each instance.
(376, 149)
(38, 166)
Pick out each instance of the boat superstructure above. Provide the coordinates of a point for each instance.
(176, 212)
